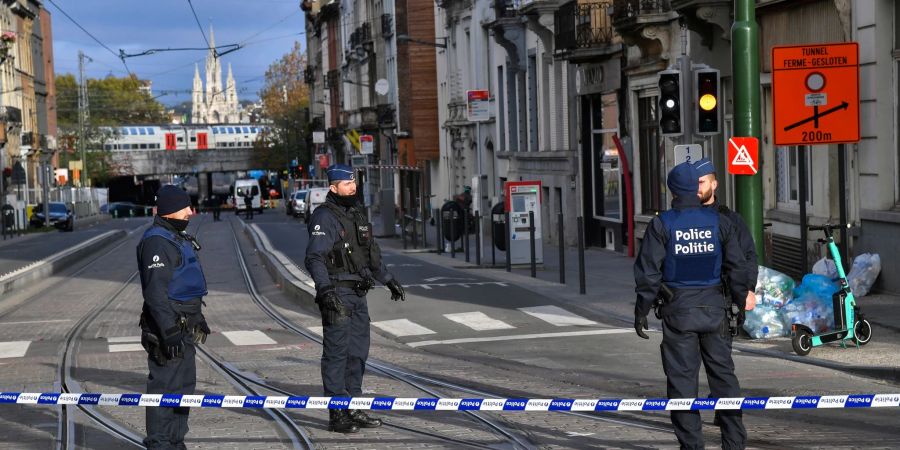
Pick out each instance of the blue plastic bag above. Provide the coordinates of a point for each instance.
(812, 304)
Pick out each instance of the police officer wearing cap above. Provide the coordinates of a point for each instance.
(344, 260)
(684, 253)
(707, 193)
(171, 322)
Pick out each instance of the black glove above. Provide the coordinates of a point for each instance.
(397, 292)
(201, 331)
(328, 300)
(640, 324)
(173, 344)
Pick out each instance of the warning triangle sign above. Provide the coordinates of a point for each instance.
(743, 155)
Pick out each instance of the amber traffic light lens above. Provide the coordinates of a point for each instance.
(707, 102)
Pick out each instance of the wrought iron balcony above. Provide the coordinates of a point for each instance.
(625, 11)
(333, 79)
(361, 35)
(506, 8)
(584, 25)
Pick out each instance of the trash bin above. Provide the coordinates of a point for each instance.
(498, 221)
(452, 221)
(8, 214)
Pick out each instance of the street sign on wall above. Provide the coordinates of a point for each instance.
(367, 144)
(815, 90)
(688, 153)
(478, 106)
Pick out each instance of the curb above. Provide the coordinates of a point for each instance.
(48, 266)
(292, 281)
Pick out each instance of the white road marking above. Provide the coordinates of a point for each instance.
(433, 285)
(35, 321)
(517, 337)
(125, 348)
(123, 339)
(577, 434)
(254, 337)
(14, 349)
(433, 279)
(478, 321)
(402, 327)
(556, 316)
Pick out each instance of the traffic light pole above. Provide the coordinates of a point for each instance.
(745, 61)
(687, 119)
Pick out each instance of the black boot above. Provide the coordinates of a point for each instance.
(363, 420)
(340, 421)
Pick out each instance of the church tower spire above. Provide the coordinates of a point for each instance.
(197, 97)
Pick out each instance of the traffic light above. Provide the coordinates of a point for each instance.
(706, 91)
(671, 109)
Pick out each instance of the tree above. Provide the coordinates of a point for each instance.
(112, 102)
(285, 99)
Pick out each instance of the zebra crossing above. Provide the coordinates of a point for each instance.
(457, 323)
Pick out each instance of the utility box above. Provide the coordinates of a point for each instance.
(523, 197)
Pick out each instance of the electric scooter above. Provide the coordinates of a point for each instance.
(845, 311)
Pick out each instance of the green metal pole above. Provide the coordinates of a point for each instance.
(747, 111)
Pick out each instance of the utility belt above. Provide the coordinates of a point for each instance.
(733, 313)
(663, 298)
(151, 337)
(361, 287)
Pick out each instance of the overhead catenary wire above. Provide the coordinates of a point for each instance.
(117, 55)
(193, 11)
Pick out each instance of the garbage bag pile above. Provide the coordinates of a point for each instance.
(781, 303)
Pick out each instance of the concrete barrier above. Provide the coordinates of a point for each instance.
(292, 280)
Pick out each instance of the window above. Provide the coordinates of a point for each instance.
(231, 130)
(653, 160)
(142, 131)
(107, 146)
(606, 174)
(143, 146)
(123, 131)
(150, 131)
(787, 179)
(215, 130)
(134, 131)
(193, 138)
(246, 129)
(255, 129)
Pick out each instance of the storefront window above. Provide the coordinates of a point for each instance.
(653, 162)
(604, 158)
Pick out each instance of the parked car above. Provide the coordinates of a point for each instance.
(314, 198)
(60, 216)
(296, 204)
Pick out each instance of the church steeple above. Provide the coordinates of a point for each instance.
(217, 103)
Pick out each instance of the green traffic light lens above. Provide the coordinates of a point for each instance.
(707, 102)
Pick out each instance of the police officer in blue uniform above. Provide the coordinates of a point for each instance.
(683, 255)
(344, 261)
(171, 322)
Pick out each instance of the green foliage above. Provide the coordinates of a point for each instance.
(285, 98)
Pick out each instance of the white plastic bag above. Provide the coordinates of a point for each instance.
(773, 287)
(863, 274)
(764, 321)
(825, 267)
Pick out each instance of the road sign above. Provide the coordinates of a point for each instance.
(367, 144)
(815, 91)
(688, 153)
(743, 156)
(318, 137)
(478, 106)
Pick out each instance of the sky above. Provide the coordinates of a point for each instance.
(267, 28)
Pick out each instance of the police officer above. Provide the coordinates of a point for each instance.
(171, 321)
(344, 260)
(707, 193)
(684, 252)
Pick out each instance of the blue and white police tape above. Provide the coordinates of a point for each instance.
(455, 404)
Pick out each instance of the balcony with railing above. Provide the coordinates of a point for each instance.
(630, 14)
(386, 115)
(387, 25)
(584, 30)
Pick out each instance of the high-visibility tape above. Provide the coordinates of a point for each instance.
(454, 404)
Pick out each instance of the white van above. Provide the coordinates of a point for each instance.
(314, 198)
(238, 190)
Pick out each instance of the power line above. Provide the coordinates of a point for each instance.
(201, 27)
(91, 35)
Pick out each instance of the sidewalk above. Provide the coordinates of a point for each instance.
(609, 285)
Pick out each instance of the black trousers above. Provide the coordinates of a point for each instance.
(217, 210)
(689, 336)
(167, 427)
(249, 213)
(346, 346)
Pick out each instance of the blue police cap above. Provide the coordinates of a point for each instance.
(339, 172)
(683, 180)
(704, 167)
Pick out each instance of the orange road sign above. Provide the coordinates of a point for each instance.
(815, 90)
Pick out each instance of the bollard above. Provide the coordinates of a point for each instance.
(581, 287)
(466, 232)
(508, 245)
(115, 214)
(531, 238)
(403, 227)
(439, 226)
(478, 238)
(562, 250)
(415, 231)
(424, 230)
(493, 242)
(452, 233)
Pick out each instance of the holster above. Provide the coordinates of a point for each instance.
(151, 341)
(735, 317)
(665, 296)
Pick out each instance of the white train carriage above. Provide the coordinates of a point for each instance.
(182, 137)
